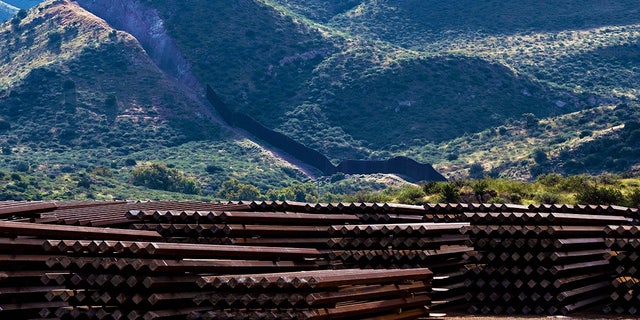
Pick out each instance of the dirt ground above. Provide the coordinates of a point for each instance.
(573, 316)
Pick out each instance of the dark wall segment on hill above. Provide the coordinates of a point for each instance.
(398, 165)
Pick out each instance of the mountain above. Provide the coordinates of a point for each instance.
(77, 95)
(497, 87)
(371, 79)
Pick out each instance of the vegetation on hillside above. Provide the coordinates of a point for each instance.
(516, 92)
(81, 104)
(546, 189)
(350, 71)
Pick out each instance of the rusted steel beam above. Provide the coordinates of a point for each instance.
(287, 218)
(318, 243)
(364, 293)
(585, 219)
(173, 216)
(578, 243)
(397, 242)
(168, 313)
(590, 289)
(316, 279)
(182, 282)
(222, 251)
(366, 308)
(544, 218)
(579, 279)
(52, 231)
(575, 231)
(589, 266)
(27, 209)
(622, 231)
(247, 230)
(224, 266)
(562, 257)
(410, 229)
(583, 303)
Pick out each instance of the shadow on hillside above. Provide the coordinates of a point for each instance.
(504, 16)
(436, 99)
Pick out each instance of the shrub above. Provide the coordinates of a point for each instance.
(103, 172)
(633, 198)
(539, 156)
(479, 187)
(515, 198)
(411, 195)
(22, 166)
(337, 177)
(574, 183)
(600, 195)
(549, 180)
(54, 40)
(160, 177)
(298, 192)
(211, 169)
(232, 189)
(450, 192)
(430, 187)
(547, 198)
(497, 200)
(85, 182)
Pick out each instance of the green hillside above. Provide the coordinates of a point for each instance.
(498, 88)
(417, 22)
(82, 104)
(370, 79)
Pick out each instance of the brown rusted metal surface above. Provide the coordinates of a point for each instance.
(361, 260)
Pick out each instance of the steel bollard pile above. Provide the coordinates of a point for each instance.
(324, 294)
(624, 243)
(290, 260)
(538, 262)
(160, 266)
(29, 282)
